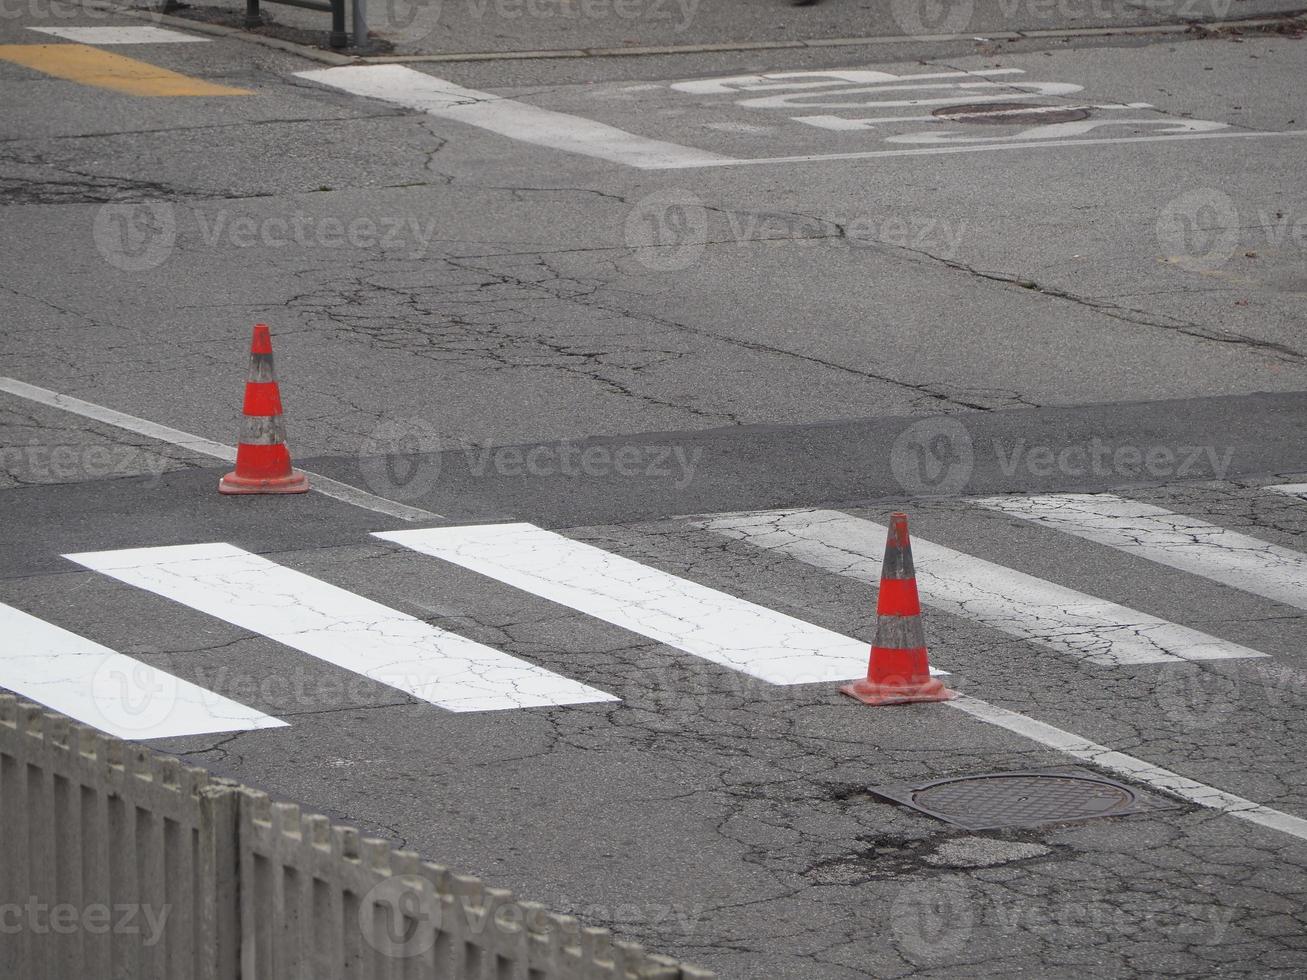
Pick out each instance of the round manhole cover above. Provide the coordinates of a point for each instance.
(1011, 113)
(1023, 798)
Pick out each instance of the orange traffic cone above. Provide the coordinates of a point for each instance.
(262, 459)
(899, 671)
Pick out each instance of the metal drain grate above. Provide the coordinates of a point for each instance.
(1011, 113)
(995, 800)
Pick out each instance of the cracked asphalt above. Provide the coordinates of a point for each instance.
(493, 329)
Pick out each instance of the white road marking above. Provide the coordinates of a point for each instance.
(1292, 489)
(404, 86)
(713, 625)
(1053, 131)
(413, 89)
(1069, 622)
(803, 80)
(993, 147)
(1132, 767)
(110, 691)
(1167, 538)
(971, 92)
(120, 420)
(340, 627)
(121, 35)
(207, 447)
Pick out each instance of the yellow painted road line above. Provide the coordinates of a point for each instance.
(103, 69)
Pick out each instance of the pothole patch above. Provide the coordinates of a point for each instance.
(902, 858)
(983, 852)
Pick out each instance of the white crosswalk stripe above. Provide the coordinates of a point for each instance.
(339, 627)
(120, 35)
(401, 85)
(701, 621)
(1029, 608)
(110, 691)
(1167, 538)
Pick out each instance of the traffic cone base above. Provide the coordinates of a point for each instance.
(295, 482)
(869, 692)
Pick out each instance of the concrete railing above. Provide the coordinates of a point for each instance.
(118, 862)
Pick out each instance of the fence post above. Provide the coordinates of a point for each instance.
(252, 16)
(219, 866)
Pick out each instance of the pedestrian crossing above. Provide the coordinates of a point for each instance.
(439, 666)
